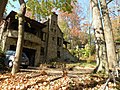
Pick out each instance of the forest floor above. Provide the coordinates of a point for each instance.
(55, 79)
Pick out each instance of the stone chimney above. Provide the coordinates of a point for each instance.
(54, 17)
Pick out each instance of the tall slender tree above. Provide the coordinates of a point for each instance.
(107, 27)
(102, 64)
(3, 4)
(18, 54)
(110, 46)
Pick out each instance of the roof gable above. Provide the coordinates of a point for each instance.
(32, 22)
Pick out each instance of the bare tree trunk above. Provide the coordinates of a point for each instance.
(2, 28)
(111, 54)
(4, 41)
(19, 47)
(4, 38)
(3, 4)
(99, 37)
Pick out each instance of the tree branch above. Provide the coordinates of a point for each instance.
(21, 2)
(109, 1)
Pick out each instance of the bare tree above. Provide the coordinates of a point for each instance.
(102, 64)
(3, 4)
(3, 23)
(111, 53)
(19, 47)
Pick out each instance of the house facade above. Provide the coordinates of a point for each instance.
(117, 44)
(42, 41)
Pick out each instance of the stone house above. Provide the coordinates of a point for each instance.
(42, 41)
(117, 44)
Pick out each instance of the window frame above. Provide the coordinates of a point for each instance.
(58, 54)
(59, 41)
(43, 36)
(42, 52)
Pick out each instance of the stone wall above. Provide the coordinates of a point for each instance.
(44, 43)
(54, 33)
(32, 42)
(68, 57)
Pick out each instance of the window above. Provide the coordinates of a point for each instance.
(52, 29)
(58, 54)
(14, 25)
(53, 38)
(42, 51)
(32, 30)
(59, 41)
(53, 22)
(43, 36)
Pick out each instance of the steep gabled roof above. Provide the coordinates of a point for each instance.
(59, 28)
(32, 22)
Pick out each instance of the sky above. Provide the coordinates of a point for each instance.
(10, 8)
(17, 6)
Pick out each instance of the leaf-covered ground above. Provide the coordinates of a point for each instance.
(52, 79)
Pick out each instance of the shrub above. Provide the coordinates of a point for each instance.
(91, 59)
